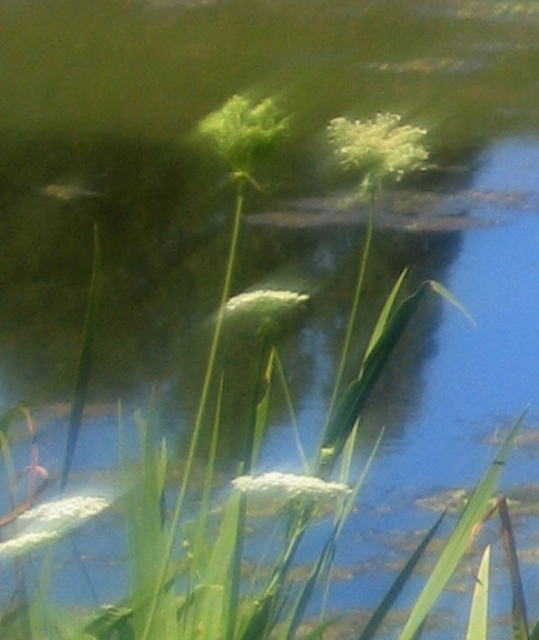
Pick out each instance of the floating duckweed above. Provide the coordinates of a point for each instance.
(379, 148)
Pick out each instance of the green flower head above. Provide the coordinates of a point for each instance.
(380, 149)
(245, 133)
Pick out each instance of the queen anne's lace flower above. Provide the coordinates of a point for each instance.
(50, 521)
(275, 485)
(244, 132)
(264, 300)
(81, 507)
(378, 148)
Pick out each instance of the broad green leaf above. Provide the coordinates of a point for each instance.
(477, 625)
(458, 542)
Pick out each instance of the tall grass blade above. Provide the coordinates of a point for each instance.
(354, 310)
(6, 421)
(401, 580)
(357, 393)
(85, 362)
(209, 606)
(458, 542)
(518, 613)
(259, 406)
(146, 534)
(385, 313)
(325, 559)
(255, 431)
(208, 377)
(388, 331)
(262, 406)
(201, 545)
(291, 412)
(477, 624)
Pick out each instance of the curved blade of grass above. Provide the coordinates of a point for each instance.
(85, 362)
(447, 295)
(477, 624)
(518, 613)
(458, 542)
(389, 599)
(388, 332)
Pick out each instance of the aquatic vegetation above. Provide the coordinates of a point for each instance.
(380, 149)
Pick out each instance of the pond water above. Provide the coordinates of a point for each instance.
(98, 109)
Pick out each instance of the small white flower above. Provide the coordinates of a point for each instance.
(50, 521)
(77, 507)
(26, 542)
(379, 148)
(264, 300)
(286, 486)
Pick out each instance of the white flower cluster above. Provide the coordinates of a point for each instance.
(50, 521)
(77, 507)
(379, 147)
(276, 485)
(263, 300)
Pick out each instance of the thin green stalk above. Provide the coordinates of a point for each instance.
(201, 409)
(291, 412)
(353, 312)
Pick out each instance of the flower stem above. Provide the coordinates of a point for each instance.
(200, 413)
(353, 312)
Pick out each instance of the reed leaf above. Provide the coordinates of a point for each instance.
(325, 558)
(351, 405)
(477, 624)
(458, 542)
(401, 580)
(518, 613)
(385, 313)
(85, 362)
(387, 333)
